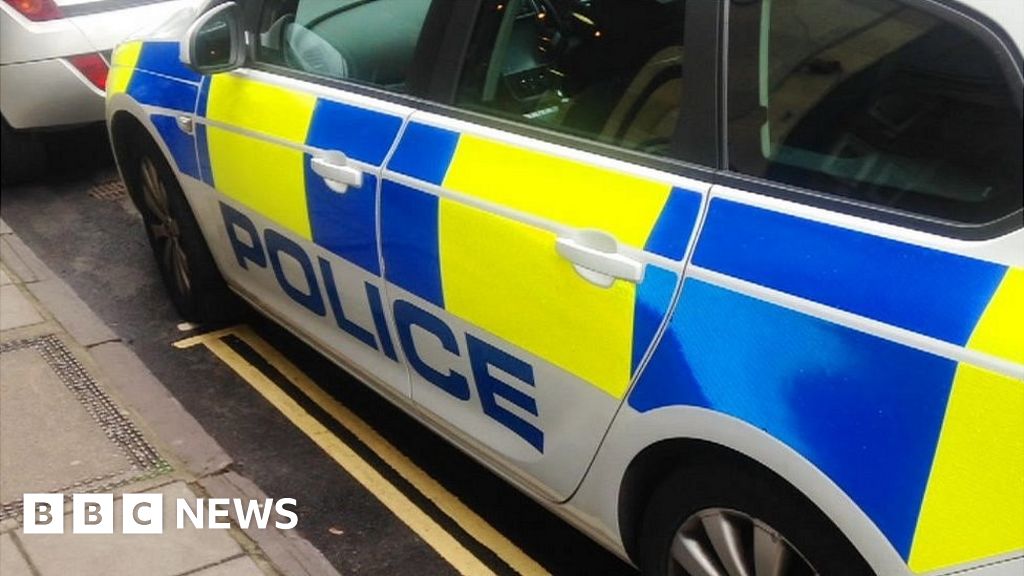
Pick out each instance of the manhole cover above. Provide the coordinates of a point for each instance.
(111, 190)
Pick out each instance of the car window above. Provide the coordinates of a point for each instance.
(608, 70)
(367, 41)
(876, 101)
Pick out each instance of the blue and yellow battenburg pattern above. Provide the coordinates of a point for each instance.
(431, 245)
(514, 284)
(931, 449)
(152, 74)
(275, 178)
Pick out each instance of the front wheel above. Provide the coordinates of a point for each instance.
(738, 519)
(189, 272)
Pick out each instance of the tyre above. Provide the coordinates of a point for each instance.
(739, 519)
(189, 272)
(22, 155)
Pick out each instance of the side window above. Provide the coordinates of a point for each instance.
(367, 41)
(608, 70)
(876, 101)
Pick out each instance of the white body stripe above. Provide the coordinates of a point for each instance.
(861, 324)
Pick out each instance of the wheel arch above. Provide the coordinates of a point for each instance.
(642, 449)
(128, 123)
(126, 119)
(125, 126)
(133, 138)
(648, 470)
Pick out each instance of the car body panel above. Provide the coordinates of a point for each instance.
(40, 88)
(914, 447)
(73, 100)
(239, 118)
(440, 195)
(918, 339)
(1004, 15)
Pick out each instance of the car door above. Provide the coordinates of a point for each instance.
(858, 285)
(528, 274)
(294, 156)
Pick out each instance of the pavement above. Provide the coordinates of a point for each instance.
(80, 413)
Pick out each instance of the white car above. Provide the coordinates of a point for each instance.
(54, 58)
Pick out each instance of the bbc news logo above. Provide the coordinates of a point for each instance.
(144, 513)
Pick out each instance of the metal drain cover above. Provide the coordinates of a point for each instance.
(60, 431)
(110, 190)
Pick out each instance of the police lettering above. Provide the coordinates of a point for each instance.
(272, 249)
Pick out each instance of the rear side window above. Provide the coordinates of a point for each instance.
(367, 41)
(876, 101)
(606, 70)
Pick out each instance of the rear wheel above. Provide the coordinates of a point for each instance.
(738, 519)
(189, 272)
(22, 155)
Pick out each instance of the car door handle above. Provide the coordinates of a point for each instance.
(337, 171)
(595, 257)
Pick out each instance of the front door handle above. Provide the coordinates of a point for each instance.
(595, 257)
(336, 170)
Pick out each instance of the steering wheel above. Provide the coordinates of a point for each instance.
(557, 42)
(552, 31)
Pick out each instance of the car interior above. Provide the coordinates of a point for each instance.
(368, 41)
(607, 69)
(867, 99)
(885, 104)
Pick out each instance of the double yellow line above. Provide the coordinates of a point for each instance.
(412, 515)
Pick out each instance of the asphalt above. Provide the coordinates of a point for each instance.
(93, 240)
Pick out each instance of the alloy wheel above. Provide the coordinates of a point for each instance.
(164, 229)
(722, 542)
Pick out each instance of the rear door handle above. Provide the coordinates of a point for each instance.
(595, 257)
(336, 170)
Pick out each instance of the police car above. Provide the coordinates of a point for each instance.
(735, 287)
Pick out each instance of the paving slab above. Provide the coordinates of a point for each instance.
(22, 264)
(48, 440)
(53, 294)
(16, 310)
(4, 278)
(169, 554)
(87, 358)
(59, 430)
(163, 414)
(289, 552)
(243, 566)
(12, 563)
(78, 319)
